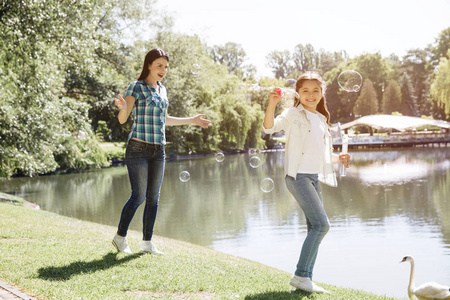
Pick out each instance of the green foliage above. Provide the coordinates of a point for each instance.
(281, 63)
(41, 137)
(114, 150)
(42, 126)
(392, 98)
(267, 82)
(367, 103)
(441, 47)
(373, 67)
(416, 67)
(408, 106)
(440, 88)
(339, 102)
(306, 58)
(233, 56)
(103, 132)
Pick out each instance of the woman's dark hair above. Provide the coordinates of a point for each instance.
(151, 56)
(322, 105)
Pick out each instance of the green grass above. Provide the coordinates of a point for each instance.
(11, 199)
(115, 150)
(55, 257)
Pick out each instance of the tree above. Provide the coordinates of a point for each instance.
(280, 62)
(40, 127)
(329, 61)
(440, 87)
(392, 98)
(305, 58)
(373, 67)
(408, 106)
(233, 56)
(367, 102)
(415, 65)
(339, 102)
(441, 47)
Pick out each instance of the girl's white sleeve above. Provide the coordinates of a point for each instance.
(280, 123)
(334, 158)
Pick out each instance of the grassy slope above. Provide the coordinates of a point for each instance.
(55, 257)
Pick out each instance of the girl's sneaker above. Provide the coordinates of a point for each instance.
(121, 244)
(305, 284)
(148, 247)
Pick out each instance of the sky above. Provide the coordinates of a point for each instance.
(356, 26)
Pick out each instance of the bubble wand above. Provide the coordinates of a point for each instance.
(288, 97)
(344, 151)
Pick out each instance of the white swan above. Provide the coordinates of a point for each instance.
(426, 291)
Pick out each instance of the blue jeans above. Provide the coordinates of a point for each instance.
(307, 191)
(145, 163)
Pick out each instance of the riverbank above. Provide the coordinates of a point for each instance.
(54, 257)
(115, 152)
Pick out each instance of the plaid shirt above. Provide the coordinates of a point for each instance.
(149, 112)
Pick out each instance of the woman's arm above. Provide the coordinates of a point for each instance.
(125, 106)
(197, 120)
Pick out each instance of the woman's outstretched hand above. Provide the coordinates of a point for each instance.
(198, 120)
(121, 103)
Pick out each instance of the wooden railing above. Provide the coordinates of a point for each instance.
(395, 140)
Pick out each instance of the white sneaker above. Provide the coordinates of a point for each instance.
(121, 244)
(148, 247)
(305, 284)
(318, 289)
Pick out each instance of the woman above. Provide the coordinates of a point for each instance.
(308, 159)
(145, 156)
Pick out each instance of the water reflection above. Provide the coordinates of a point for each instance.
(390, 204)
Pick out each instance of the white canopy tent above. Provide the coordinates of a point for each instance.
(400, 123)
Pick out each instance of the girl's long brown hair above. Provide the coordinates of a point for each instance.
(322, 105)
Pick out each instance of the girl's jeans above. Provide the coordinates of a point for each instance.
(145, 164)
(306, 190)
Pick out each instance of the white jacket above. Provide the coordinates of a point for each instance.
(296, 125)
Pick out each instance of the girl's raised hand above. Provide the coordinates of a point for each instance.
(275, 95)
(198, 120)
(344, 159)
(121, 103)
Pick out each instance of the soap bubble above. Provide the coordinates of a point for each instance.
(195, 69)
(350, 81)
(290, 83)
(185, 176)
(267, 185)
(220, 157)
(288, 97)
(255, 161)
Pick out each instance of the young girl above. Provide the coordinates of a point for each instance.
(308, 159)
(145, 156)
